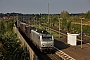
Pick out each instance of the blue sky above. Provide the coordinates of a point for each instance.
(41, 6)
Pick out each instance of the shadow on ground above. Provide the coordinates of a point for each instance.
(61, 45)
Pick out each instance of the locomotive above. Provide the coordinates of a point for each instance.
(40, 38)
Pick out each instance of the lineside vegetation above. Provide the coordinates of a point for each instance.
(10, 47)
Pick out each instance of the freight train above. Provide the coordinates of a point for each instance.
(40, 38)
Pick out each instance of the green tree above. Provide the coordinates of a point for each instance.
(64, 14)
(64, 23)
(54, 20)
(2, 27)
(88, 14)
(10, 47)
(68, 26)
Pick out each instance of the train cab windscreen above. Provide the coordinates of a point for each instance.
(46, 37)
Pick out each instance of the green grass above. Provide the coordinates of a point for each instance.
(40, 27)
(56, 35)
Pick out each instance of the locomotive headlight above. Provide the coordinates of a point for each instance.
(43, 45)
(51, 44)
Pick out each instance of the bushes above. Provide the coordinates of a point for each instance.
(85, 28)
(10, 48)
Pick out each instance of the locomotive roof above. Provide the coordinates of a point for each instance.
(40, 31)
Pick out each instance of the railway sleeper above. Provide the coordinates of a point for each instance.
(47, 49)
(61, 52)
(65, 56)
(70, 58)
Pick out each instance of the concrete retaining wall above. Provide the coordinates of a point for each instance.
(25, 45)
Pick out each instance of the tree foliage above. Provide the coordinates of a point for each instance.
(54, 20)
(69, 26)
(2, 27)
(88, 14)
(64, 23)
(64, 14)
(10, 47)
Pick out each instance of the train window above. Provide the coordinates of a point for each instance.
(47, 38)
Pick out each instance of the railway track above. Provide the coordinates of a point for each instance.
(54, 57)
(42, 56)
(57, 31)
(60, 53)
(63, 55)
